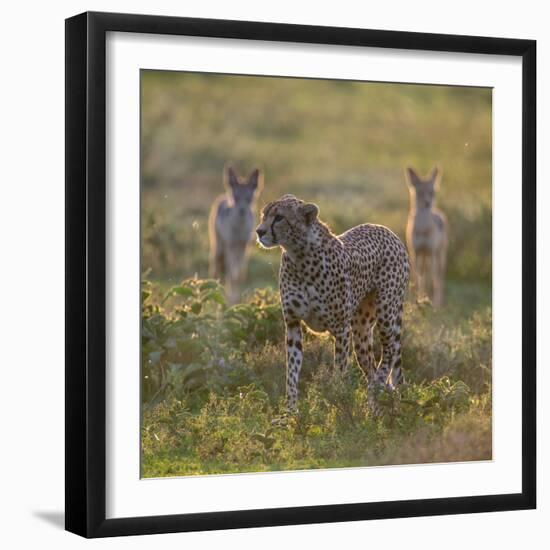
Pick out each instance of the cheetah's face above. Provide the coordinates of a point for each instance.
(286, 222)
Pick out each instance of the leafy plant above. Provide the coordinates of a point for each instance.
(213, 384)
(200, 344)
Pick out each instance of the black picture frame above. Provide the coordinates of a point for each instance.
(86, 274)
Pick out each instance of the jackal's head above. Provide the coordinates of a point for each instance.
(422, 190)
(242, 193)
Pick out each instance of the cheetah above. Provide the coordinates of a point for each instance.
(232, 229)
(342, 284)
(427, 236)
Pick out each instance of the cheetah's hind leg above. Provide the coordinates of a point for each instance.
(364, 322)
(388, 376)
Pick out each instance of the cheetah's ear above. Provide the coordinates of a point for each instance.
(256, 180)
(412, 177)
(309, 211)
(231, 179)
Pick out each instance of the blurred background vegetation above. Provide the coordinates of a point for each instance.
(341, 144)
(213, 375)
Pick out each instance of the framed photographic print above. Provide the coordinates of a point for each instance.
(300, 274)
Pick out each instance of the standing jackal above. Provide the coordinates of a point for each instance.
(427, 237)
(231, 228)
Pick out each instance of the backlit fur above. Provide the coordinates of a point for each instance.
(343, 284)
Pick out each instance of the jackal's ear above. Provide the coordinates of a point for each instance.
(435, 176)
(309, 212)
(256, 180)
(231, 179)
(412, 177)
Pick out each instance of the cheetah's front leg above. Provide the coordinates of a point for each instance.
(293, 362)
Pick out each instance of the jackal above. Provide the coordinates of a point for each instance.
(231, 229)
(427, 236)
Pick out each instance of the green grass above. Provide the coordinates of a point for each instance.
(212, 376)
(222, 374)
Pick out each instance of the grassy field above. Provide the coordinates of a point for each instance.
(213, 376)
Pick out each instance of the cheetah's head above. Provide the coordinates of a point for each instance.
(286, 222)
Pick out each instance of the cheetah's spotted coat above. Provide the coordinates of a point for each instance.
(343, 284)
